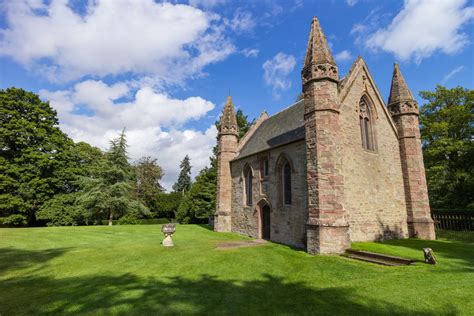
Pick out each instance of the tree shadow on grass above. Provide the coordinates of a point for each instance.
(15, 259)
(129, 294)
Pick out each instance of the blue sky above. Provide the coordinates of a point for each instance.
(164, 69)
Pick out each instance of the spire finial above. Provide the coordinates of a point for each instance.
(318, 64)
(401, 100)
(317, 51)
(399, 90)
(228, 118)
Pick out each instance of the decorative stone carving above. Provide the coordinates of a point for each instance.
(319, 71)
(228, 119)
(405, 107)
(168, 230)
(363, 109)
(226, 129)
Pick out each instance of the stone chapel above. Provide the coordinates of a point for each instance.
(335, 167)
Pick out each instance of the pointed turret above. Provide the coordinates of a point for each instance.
(227, 148)
(401, 99)
(404, 111)
(317, 50)
(228, 119)
(327, 229)
(319, 63)
(399, 92)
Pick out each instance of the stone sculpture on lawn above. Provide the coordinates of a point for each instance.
(168, 230)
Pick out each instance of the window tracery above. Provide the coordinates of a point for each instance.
(366, 124)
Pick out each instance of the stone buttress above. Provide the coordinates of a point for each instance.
(404, 111)
(327, 226)
(227, 147)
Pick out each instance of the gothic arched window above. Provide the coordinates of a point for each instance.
(286, 183)
(248, 185)
(366, 124)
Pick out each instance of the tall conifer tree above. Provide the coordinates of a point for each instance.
(184, 180)
(111, 194)
(147, 183)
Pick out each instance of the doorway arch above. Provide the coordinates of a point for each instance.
(266, 231)
(264, 220)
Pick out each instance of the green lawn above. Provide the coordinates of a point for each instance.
(125, 270)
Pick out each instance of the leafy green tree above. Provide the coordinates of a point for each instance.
(147, 183)
(110, 195)
(34, 161)
(62, 209)
(199, 203)
(166, 204)
(184, 180)
(87, 159)
(447, 129)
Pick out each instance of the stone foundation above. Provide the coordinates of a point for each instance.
(327, 239)
(222, 223)
(423, 229)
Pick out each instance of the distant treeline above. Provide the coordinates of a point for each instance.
(47, 179)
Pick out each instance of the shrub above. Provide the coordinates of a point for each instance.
(166, 204)
(62, 210)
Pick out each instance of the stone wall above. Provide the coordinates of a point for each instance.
(288, 222)
(327, 229)
(374, 196)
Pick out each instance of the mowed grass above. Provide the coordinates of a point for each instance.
(125, 270)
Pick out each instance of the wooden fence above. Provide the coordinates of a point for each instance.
(459, 220)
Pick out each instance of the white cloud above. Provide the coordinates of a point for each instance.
(351, 2)
(250, 52)
(276, 71)
(358, 28)
(91, 111)
(343, 56)
(241, 22)
(170, 147)
(452, 73)
(423, 27)
(141, 37)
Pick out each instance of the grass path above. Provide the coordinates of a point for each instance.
(125, 270)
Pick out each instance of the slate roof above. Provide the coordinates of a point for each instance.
(282, 128)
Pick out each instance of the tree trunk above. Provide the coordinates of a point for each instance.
(111, 217)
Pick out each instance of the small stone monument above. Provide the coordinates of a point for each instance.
(168, 230)
(429, 256)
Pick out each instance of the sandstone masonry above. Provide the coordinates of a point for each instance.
(337, 166)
